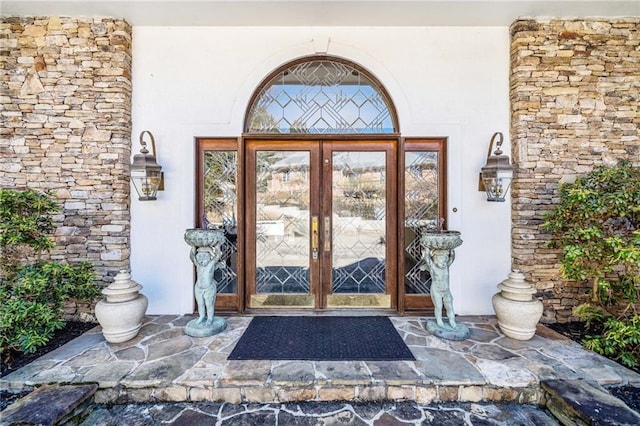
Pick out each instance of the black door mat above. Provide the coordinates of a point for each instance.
(321, 339)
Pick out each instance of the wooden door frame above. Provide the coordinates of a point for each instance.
(252, 146)
(390, 148)
(238, 303)
(225, 302)
(418, 303)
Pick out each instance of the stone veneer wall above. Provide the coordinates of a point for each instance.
(65, 111)
(575, 104)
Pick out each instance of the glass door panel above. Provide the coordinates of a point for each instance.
(282, 274)
(359, 229)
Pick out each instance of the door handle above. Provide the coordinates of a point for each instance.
(327, 234)
(314, 237)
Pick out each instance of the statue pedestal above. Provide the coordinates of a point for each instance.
(195, 328)
(206, 249)
(461, 331)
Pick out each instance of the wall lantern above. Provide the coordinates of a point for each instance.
(146, 174)
(496, 175)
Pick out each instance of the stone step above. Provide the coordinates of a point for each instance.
(51, 405)
(580, 402)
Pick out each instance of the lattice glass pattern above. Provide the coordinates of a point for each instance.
(320, 96)
(359, 222)
(421, 213)
(282, 216)
(220, 204)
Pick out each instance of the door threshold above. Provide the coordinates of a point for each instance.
(323, 312)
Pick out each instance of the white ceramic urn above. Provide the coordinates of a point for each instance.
(121, 312)
(517, 310)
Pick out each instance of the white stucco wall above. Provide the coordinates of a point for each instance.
(197, 81)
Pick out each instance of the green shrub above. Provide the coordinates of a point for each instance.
(34, 302)
(33, 294)
(620, 340)
(597, 226)
(25, 225)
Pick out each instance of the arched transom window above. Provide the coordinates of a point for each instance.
(321, 95)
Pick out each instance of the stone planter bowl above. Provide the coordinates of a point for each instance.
(198, 237)
(443, 240)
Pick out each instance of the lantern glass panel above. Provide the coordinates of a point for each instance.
(146, 183)
(497, 187)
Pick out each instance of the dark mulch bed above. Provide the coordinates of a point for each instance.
(18, 360)
(70, 331)
(629, 394)
(577, 331)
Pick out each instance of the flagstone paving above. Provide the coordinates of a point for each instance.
(162, 364)
(310, 413)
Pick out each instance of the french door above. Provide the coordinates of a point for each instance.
(320, 224)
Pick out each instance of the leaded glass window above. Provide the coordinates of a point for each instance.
(321, 96)
(421, 214)
(220, 203)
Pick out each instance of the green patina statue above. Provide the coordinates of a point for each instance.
(438, 255)
(206, 260)
(438, 262)
(205, 254)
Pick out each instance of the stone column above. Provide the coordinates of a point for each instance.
(575, 104)
(65, 108)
